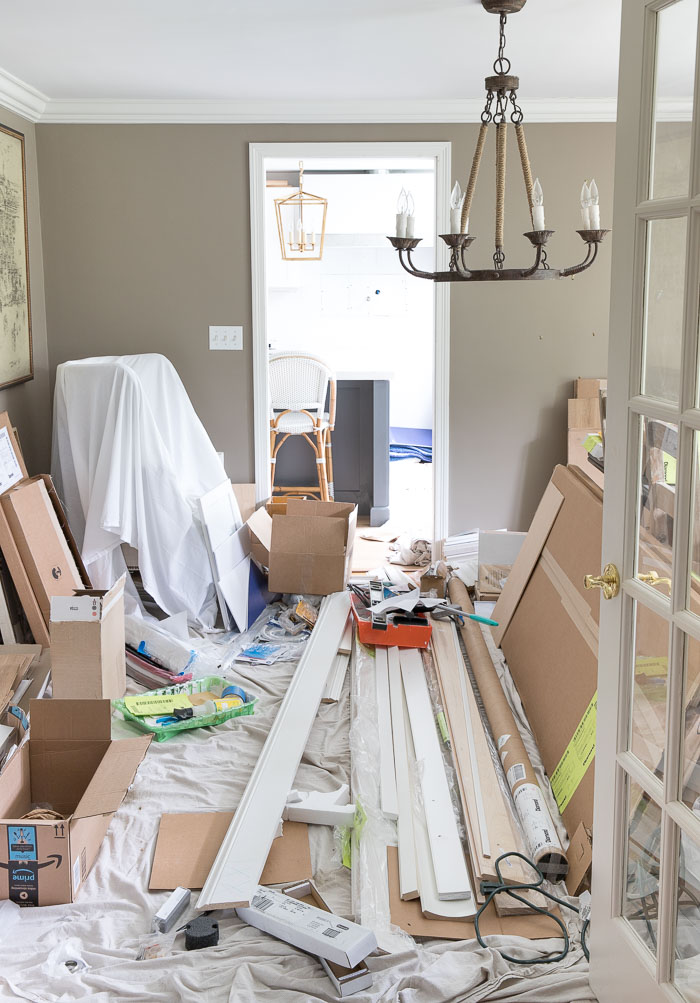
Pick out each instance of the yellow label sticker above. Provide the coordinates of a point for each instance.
(651, 665)
(578, 756)
(670, 465)
(149, 704)
(591, 441)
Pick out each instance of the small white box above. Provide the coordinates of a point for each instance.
(309, 928)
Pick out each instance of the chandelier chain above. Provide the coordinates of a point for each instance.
(502, 63)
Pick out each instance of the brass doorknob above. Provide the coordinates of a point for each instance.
(652, 578)
(609, 581)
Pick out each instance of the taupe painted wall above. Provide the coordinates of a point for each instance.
(28, 403)
(146, 243)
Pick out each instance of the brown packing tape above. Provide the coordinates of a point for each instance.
(504, 727)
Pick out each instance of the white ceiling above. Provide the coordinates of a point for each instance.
(77, 51)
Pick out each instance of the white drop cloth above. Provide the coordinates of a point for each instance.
(208, 768)
(130, 457)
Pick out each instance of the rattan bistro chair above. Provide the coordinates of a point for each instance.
(298, 389)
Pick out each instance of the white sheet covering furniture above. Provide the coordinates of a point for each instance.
(130, 457)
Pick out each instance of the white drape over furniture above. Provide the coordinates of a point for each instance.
(130, 457)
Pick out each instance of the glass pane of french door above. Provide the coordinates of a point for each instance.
(655, 845)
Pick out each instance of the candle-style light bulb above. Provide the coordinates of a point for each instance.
(594, 207)
(456, 203)
(410, 210)
(401, 213)
(586, 206)
(537, 205)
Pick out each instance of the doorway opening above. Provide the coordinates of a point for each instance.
(382, 334)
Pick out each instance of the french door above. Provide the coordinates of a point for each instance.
(645, 927)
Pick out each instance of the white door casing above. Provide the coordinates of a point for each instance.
(441, 153)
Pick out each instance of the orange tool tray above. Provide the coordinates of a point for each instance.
(396, 635)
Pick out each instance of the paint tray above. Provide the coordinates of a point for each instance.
(164, 731)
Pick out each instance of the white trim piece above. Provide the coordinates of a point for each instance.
(476, 778)
(336, 678)
(345, 647)
(387, 771)
(320, 807)
(449, 865)
(430, 904)
(261, 387)
(253, 112)
(236, 871)
(21, 98)
(408, 874)
(441, 152)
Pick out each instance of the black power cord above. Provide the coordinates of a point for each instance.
(492, 888)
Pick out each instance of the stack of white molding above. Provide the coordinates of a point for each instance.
(415, 792)
(339, 669)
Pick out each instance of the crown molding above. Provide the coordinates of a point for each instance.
(97, 110)
(21, 98)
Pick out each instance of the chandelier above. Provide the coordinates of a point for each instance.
(501, 104)
(301, 223)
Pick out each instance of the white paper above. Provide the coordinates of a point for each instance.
(10, 472)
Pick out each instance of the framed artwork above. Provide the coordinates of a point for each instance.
(16, 362)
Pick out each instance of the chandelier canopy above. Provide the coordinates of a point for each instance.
(501, 105)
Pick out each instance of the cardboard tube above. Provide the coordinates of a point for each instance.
(539, 830)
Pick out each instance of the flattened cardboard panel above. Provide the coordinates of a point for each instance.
(202, 833)
(22, 584)
(526, 560)
(245, 496)
(86, 720)
(112, 778)
(554, 668)
(41, 542)
(408, 916)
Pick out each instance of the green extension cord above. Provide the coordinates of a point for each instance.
(492, 888)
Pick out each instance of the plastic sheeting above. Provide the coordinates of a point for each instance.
(130, 457)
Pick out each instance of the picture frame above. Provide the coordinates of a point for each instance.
(16, 356)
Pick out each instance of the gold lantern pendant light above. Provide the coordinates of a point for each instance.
(301, 223)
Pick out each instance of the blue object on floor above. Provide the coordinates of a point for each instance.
(411, 444)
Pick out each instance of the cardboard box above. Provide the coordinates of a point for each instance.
(306, 549)
(44, 545)
(69, 762)
(551, 635)
(87, 643)
(346, 981)
(577, 455)
(305, 926)
(589, 387)
(585, 413)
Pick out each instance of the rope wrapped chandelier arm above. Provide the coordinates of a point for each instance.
(501, 110)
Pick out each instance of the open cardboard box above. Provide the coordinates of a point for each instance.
(307, 548)
(87, 643)
(69, 762)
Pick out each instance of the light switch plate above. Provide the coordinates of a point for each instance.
(223, 338)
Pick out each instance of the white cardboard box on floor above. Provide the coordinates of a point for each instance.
(309, 928)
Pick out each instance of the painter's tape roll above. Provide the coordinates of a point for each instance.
(540, 833)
